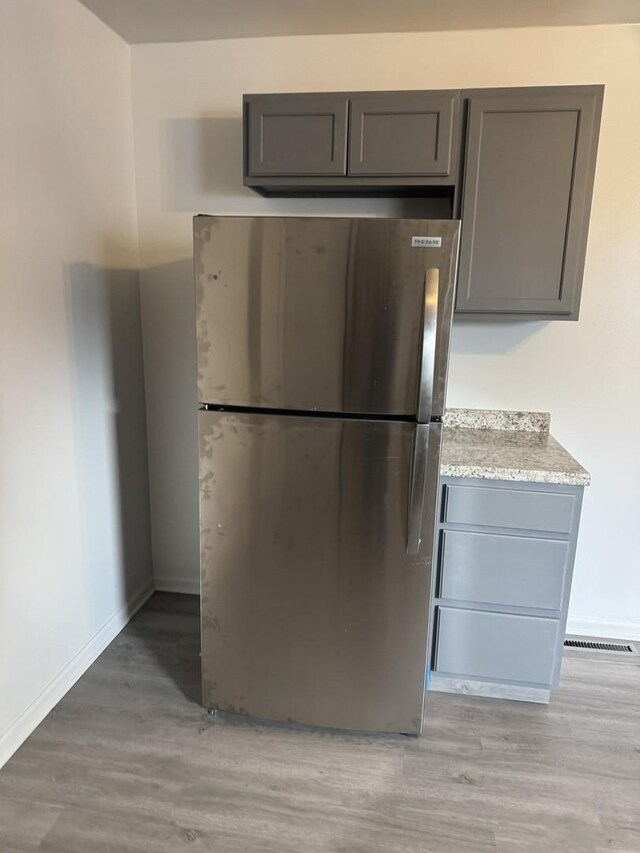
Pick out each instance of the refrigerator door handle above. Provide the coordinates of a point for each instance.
(429, 328)
(417, 487)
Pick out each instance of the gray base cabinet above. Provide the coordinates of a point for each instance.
(504, 562)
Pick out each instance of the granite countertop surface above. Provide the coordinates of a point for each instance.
(503, 445)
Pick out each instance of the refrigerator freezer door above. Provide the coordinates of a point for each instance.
(312, 609)
(324, 314)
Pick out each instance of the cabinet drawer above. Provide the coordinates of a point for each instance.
(296, 135)
(552, 512)
(500, 646)
(403, 133)
(489, 568)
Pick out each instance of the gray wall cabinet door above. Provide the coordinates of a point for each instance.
(404, 133)
(296, 134)
(529, 170)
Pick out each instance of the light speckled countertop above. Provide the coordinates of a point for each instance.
(499, 445)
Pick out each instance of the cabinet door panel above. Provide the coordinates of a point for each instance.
(527, 195)
(404, 133)
(296, 135)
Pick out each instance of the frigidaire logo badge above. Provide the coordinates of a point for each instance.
(426, 242)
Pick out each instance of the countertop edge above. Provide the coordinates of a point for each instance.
(480, 472)
(508, 420)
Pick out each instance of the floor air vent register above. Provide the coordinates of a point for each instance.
(580, 644)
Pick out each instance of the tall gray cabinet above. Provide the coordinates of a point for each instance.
(529, 168)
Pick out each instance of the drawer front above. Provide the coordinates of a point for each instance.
(496, 645)
(512, 570)
(299, 135)
(552, 512)
(409, 134)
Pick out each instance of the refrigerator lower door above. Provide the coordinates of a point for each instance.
(314, 607)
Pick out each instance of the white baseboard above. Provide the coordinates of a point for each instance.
(598, 628)
(190, 586)
(13, 737)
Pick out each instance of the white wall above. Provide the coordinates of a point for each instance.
(74, 525)
(188, 143)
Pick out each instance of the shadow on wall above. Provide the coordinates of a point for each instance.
(480, 337)
(202, 172)
(201, 157)
(110, 424)
(167, 293)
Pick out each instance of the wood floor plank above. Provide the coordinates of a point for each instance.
(298, 789)
(24, 824)
(86, 830)
(4, 849)
(560, 834)
(621, 830)
(172, 603)
(129, 761)
(129, 784)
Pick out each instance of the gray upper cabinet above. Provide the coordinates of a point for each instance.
(529, 168)
(353, 143)
(515, 165)
(296, 135)
(404, 133)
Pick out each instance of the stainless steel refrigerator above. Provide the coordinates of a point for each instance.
(322, 360)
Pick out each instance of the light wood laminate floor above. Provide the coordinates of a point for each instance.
(129, 762)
